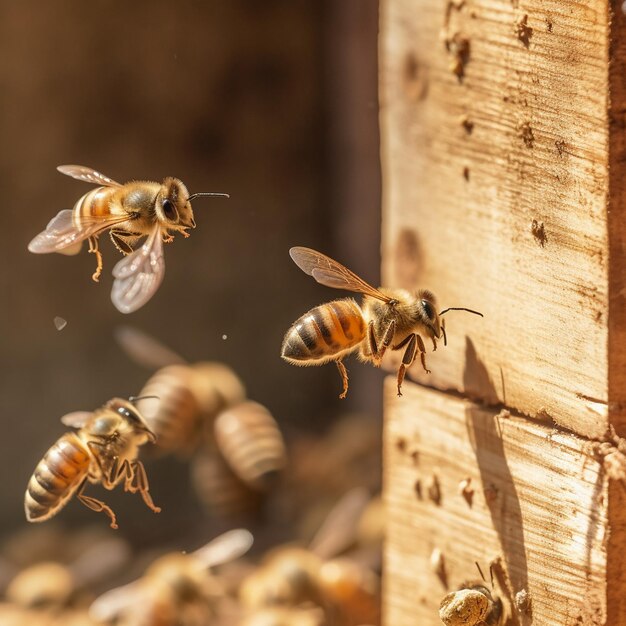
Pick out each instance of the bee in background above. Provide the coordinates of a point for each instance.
(103, 450)
(176, 589)
(54, 587)
(191, 395)
(347, 590)
(285, 616)
(388, 318)
(129, 212)
(236, 447)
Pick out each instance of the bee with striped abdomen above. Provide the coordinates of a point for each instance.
(130, 211)
(388, 318)
(103, 450)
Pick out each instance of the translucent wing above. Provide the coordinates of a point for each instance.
(62, 232)
(144, 349)
(224, 548)
(87, 175)
(76, 419)
(329, 272)
(138, 276)
(338, 531)
(107, 607)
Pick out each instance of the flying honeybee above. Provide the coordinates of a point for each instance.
(130, 211)
(387, 318)
(103, 450)
(177, 588)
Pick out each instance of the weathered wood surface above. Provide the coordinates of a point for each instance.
(496, 151)
(540, 504)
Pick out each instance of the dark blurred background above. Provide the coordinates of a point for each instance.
(273, 102)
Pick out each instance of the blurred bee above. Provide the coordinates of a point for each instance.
(220, 491)
(285, 616)
(236, 446)
(130, 211)
(190, 395)
(347, 590)
(249, 438)
(176, 590)
(54, 586)
(388, 318)
(103, 450)
(473, 604)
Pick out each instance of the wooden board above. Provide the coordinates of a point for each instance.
(495, 153)
(540, 504)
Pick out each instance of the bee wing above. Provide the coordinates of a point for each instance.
(107, 607)
(76, 419)
(87, 174)
(63, 232)
(224, 548)
(338, 531)
(146, 350)
(138, 276)
(331, 273)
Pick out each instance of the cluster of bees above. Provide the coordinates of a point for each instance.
(331, 579)
(235, 448)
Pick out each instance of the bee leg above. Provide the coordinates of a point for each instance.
(96, 505)
(378, 352)
(343, 372)
(121, 241)
(422, 349)
(407, 358)
(139, 482)
(434, 344)
(93, 248)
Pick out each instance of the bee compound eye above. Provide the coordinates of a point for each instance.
(104, 426)
(428, 309)
(169, 210)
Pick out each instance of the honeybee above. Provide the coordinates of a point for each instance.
(129, 212)
(190, 395)
(103, 450)
(249, 439)
(473, 604)
(348, 591)
(219, 490)
(387, 318)
(176, 590)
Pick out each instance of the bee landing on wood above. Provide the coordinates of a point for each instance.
(129, 212)
(387, 318)
(103, 450)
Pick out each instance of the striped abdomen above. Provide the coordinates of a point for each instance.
(57, 476)
(324, 333)
(252, 444)
(95, 203)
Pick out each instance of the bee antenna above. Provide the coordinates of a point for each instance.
(480, 571)
(208, 193)
(460, 308)
(445, 337)
(135, 399)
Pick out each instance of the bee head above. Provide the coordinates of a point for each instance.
(427, 312)
(173, 206)
(126, 412)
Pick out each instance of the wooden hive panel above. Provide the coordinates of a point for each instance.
(540, 504)
(495, 152)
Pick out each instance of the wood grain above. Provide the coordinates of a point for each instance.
(496, 151)
(540, 504)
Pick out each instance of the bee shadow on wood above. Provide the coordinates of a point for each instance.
(497, 481)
